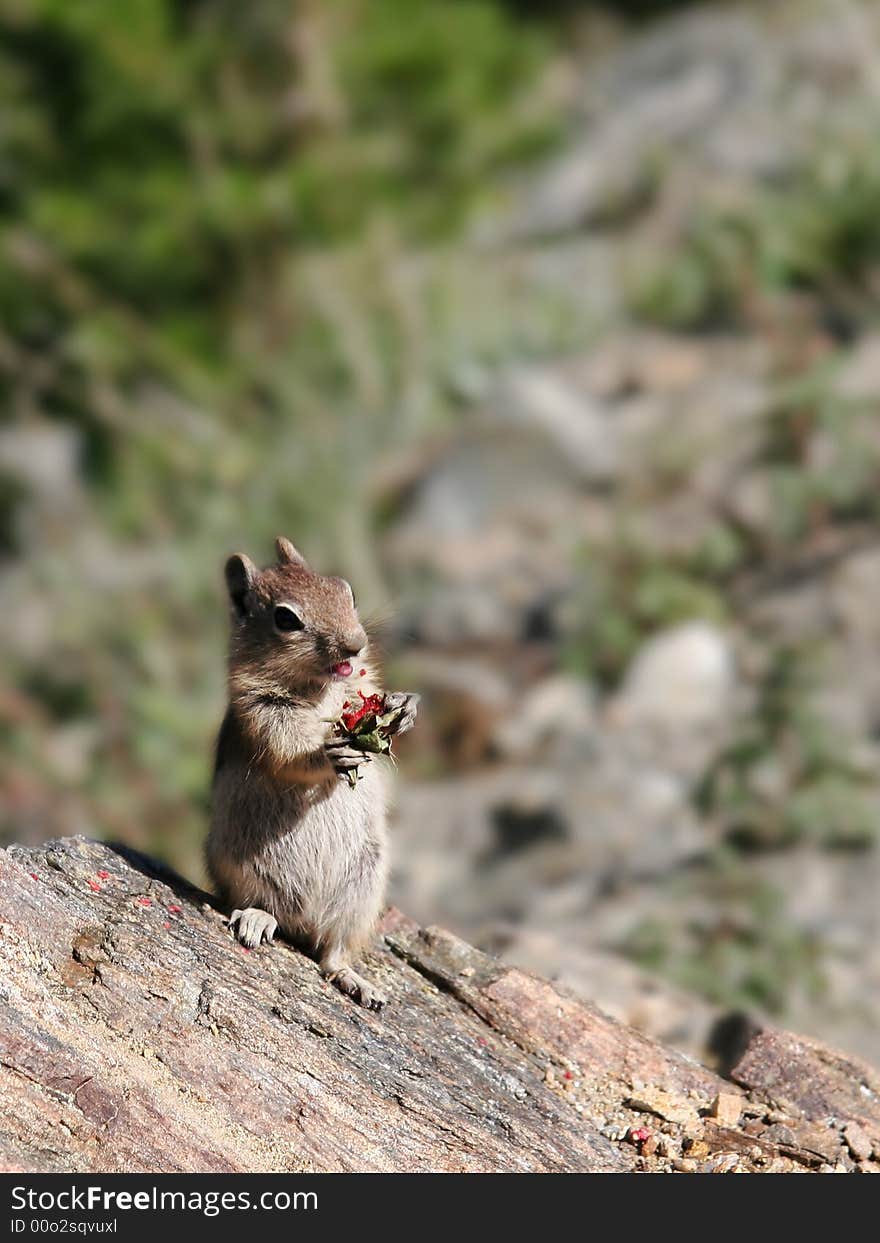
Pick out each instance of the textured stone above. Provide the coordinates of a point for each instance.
(137, 1035)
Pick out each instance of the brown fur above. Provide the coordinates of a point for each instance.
(290, 842)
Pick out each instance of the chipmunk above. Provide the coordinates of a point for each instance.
(292, 844)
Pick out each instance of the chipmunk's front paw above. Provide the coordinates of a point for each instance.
(406, 704)
(253, 926)
(357, 988)
(346, 759)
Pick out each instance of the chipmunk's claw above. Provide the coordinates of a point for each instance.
(357, 988)
(253, 926)
(346, 759)
(406, 704)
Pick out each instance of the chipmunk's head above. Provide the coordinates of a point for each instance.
(292, 629)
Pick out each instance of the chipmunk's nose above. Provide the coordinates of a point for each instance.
(355, 641)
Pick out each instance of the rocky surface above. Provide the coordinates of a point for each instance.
(137, 1035)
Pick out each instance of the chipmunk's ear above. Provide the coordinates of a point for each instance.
(240, 576)
(287, 554)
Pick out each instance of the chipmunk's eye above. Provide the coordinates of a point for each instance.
(286, 620)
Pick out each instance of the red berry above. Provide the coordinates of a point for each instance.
(353, 713)
(362, 673)
(567, 1074)
(639, 1134)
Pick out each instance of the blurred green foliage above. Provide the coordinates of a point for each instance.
(164, 162)
(630, 591)
(210, 221)
(816, 231)
(787, 776)
(732, 943)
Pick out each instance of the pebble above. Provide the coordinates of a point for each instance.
(727, 1108)
(858, 1141)
(722, 1163)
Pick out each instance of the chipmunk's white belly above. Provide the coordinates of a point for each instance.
(324, 860)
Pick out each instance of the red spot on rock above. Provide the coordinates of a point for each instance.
(102, 875)
(174, 910)
(145, 902)
(93, 884)
(362, 673)
(566, 1074)
(35, 876)
(166, 924)
(638, 1135)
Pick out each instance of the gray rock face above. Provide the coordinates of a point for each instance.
(859, 376)
(579, 428)
(705, 85)
(138, 1036)
(487, 542)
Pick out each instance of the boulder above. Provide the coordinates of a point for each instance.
(137, 1035)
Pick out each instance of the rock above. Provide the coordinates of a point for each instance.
(853, 585)
(488, 533)
(483, 543)
(626, 992)
(676, 699)
(685, 674)
(524, 822)
(726, 1108)
(579, 427)
(752, 504)
(858, 378)
(611, 824)
(138, 1036)
(655, 1101)
(586, 185)
(807, 1078)
(555, 717)
(158, 1043)
(858, 1141)
(44, 458)
(692, 83)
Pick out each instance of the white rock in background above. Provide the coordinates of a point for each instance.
(859, 377)
(685, 675)
(677, 699)
(45, 456)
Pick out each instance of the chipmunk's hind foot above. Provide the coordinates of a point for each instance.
(357, 988)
